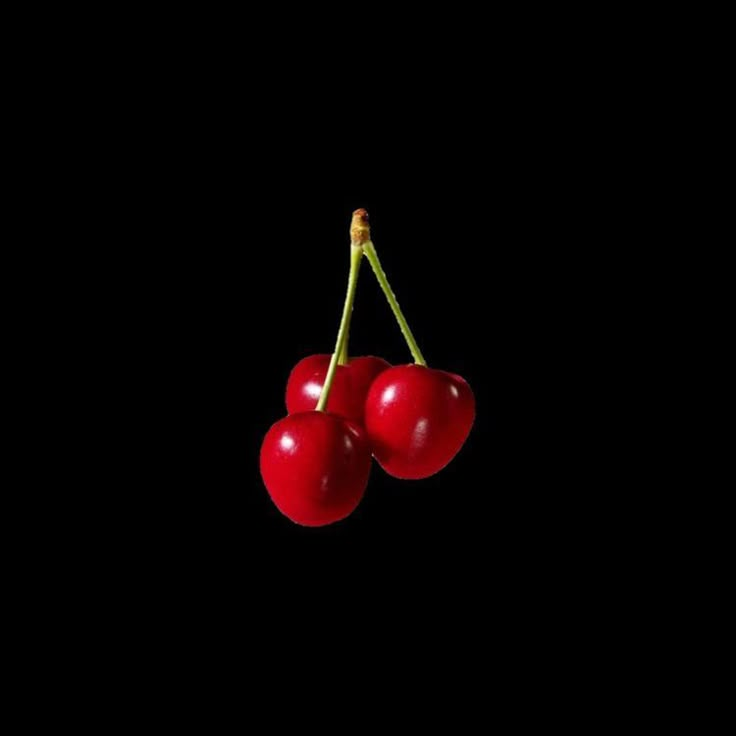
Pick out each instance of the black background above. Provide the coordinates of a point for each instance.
(251, 278)
(205, 202)
(229, 249)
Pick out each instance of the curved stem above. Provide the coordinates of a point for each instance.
(356, 254)
(372, 256)
(343, 359)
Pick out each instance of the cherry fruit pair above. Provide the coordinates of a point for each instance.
(413, 419)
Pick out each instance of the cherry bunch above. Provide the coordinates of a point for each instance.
(413, 419)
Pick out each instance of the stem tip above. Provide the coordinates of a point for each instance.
(360, 230)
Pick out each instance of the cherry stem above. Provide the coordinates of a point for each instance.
(341, 347)
(361, 235)
(343, 359)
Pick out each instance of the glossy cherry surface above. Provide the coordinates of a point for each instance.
(417, 419)
(315, 466)
(349, 388)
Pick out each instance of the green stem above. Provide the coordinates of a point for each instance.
(342, 359)
(356, 254)
(372, 256)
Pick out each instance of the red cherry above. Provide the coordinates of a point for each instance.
(349, 388)
(417, 419)
(315, 466)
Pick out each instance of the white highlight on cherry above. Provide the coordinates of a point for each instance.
(313, 390)
(420, 432)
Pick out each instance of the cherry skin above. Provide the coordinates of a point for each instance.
(349, 388)
(417, 419)
(315, 467)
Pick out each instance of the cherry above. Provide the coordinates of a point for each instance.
(349, 388)
(315, 464)
(315, 467)
(417, 418)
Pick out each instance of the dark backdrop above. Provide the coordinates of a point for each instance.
(232, 249)
(215, 207)
(251, 278)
